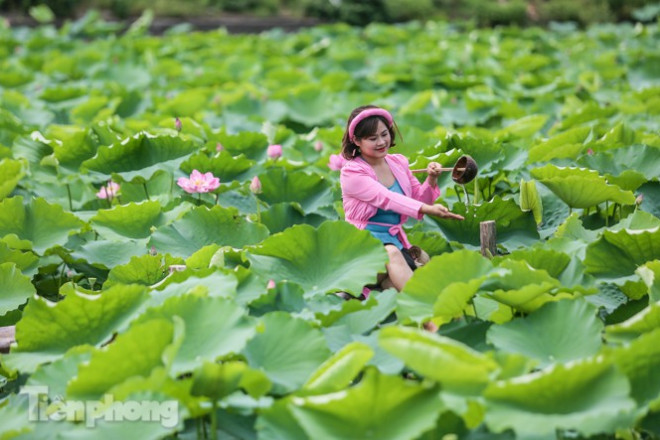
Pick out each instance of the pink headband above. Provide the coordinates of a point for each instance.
(364, 114)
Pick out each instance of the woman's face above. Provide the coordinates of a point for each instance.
(376, 145)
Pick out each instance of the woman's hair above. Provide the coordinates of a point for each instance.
(364, 128)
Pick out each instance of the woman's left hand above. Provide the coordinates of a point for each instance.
(434, 169)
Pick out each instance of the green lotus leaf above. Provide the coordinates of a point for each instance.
(335, 256)
(340, 370)
(311, 191)
(203, 226)
(640, 361)
(135, 352)
(548, 334)
(530, 200)
(457, 367)
(47, 330)
(288, 350)
(277, 422)
(620, 253)
(310, 106)
(567, 144)
(643, 322)
(209, 282)
(553, 262)
(58, 94)
(391, 399)
(14, 418)
(522, 287)
(636, 160)
(55, 375)
(146, 270)
(186, 103)
(25, 261)
(12, 172)
(514, 227)
(524, 127)
(581, 188)
(638, 220)
(16, 288)
(444, 286)
(72, 145)
(650, 274)
(252, 145)
(37, 221)
(223, 165)
(133, 220)
(281, 216)
(589, 396)
(107, 254)
(214, 327)
(358, 318)
(217, 380)
(138, 158)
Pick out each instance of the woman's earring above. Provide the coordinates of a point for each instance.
(355, 151)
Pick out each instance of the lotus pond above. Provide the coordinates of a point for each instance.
(171, 233)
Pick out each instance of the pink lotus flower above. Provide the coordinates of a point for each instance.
(270, 285)
(219, 147)
(109, 191)
(198, 182)
(177, 124)
(336, 162)
(318, 146)
(274, 151)
(255, 185)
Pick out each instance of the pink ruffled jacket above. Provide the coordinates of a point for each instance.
(363, 194)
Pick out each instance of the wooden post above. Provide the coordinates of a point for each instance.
(488, 238)
(7, 337)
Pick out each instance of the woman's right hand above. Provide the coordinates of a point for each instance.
(439, 210)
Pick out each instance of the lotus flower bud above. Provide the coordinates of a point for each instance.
(255, 185)
(177, 124)
(274, 151)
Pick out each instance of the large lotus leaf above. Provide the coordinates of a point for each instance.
(642, 160)
(390, 400)
(281, 216)
(456, 366)
(522, 287)
(252, 145)
(312, 191)
(311, 106)
(72, 145)
(209, 281)
(25, 261)
(214, 327)
(567, 144)
(643, 322)
(650, 274)
(144, 269)
(640, 361)
(203, 226)
(186, 103)
(580, 187)
(553, 262)
(360, 317)
(514, 227)
(222, 165)
(618, 254)
(524, 127)
(135, 352)
(107, 253)
(138, 158)
(277, 422)
(43, 224)
(47, 330)
(590, 397)
(335, 256)
(444, 286)
(16, 288)
(12, 171)
(55, 375)
(549, 333)
(340, 370)
(288, 350)
(133, 220)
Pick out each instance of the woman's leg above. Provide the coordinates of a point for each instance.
(398, 270)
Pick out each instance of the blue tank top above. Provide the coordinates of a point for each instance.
(382, 232)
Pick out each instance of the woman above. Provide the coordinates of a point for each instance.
(379, 192)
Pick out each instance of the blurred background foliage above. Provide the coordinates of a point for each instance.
(359, 12)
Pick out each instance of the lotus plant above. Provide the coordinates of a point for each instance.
(109, 192)
(199, 183)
